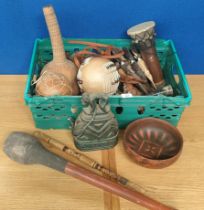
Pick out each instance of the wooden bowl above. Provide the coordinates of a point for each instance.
(153, 143)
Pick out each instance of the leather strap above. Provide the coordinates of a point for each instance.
(103, 50)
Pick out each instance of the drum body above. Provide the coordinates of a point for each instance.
(143, 36)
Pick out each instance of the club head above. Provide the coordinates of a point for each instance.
(19, 146)
(25, 148)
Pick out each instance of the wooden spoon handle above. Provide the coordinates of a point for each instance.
(112, 187)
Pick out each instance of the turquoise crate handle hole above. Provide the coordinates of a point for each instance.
(74, 109)
(119, 109)
(140, 110)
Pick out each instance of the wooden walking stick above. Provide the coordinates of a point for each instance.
(58, 77)
(49, 142)
(26, 149)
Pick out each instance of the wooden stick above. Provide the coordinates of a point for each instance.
(26, 149)
(113, 187)
(48, 141)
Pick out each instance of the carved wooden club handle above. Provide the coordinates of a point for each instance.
(49, 142)
(112, 187)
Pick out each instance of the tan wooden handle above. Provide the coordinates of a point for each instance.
(112, 187)
(55, 35)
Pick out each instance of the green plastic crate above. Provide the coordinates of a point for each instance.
(58, 112)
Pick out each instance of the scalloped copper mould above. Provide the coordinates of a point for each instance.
(153, 143)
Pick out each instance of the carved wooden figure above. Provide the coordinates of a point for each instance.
(95, 127)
